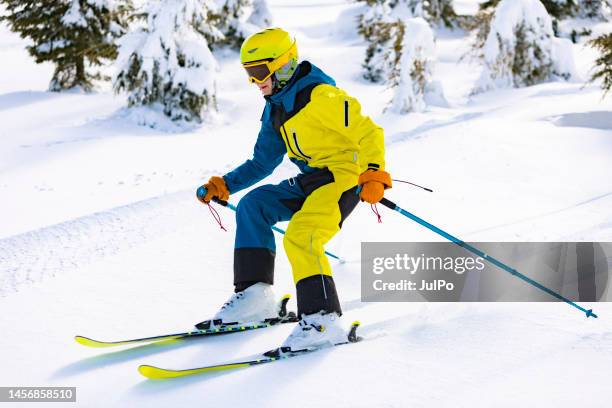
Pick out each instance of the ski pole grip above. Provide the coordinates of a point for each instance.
(201, 193)
(388, 203)
(220, 202)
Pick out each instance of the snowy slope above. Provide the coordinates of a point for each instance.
(100, 235)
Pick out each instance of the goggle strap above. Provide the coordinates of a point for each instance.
(272, 65)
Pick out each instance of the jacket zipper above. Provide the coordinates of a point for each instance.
(284, 132)
(346, 113)
(298, 146)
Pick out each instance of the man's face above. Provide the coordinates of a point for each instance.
(265, 87)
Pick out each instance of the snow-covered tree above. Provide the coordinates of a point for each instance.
(75, 35)
(261, 15)
(167, 64)
(595, 9)
(401, 53)
(556, 8)
(380, 26)
(380, 31)
(603, 64)
(411, 74)
(237, 19)
(560, 9)
(518, 48)
(436, 12)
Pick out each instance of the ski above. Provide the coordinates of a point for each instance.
(157, 373)
(205, 328)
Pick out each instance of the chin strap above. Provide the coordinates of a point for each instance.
(276, 84)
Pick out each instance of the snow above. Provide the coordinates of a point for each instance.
(51, 45)
(261, 16)
(563, 59)
(74, 16)
(579, 24)
(347, 23)
(101, 235)
(589, 120)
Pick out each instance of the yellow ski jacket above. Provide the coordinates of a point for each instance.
(317, 125)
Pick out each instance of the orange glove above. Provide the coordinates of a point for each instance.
(215, 188)
(374, 183)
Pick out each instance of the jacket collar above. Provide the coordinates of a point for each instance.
(305, 75)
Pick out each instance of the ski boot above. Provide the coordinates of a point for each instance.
(254, 305)
(315, 331)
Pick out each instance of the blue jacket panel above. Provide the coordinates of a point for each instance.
(267, 155)
(270, 148)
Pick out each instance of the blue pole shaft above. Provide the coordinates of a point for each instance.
(494, 261)
(201, 192)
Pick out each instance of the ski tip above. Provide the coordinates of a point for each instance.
(156, 373)
(86, 341)
(82, 340)
(590, 313)
(151, 372)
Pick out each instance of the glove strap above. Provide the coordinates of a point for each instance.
(375, 211)
(216, 216)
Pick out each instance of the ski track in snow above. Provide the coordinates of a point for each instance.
(35, 255)
(599, 202)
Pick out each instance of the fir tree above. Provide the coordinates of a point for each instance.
(603, 64)
(75, 35)
(558, 9)
(435, 12)
(518, 48)
(412, 64)
(237, 19)
(594, 9)
(380, 31)
(261, 16)
(168, 63)
(380, 25)
(401, 54)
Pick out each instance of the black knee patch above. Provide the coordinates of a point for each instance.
(252, 265)
(317, 293)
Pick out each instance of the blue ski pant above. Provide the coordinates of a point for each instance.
(315, 205)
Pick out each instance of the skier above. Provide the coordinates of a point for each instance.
(336, 148)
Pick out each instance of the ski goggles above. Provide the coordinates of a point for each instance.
(260, 71)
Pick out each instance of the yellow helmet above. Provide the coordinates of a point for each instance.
(269, 51)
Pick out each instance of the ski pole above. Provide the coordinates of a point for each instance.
(395, 207)
(201, 193)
